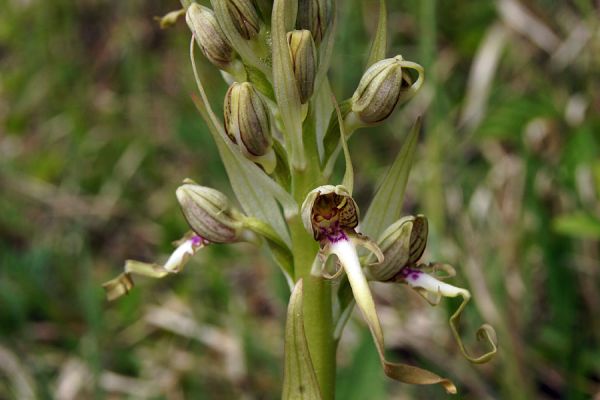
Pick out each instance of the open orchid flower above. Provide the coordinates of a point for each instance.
(186, 248)
(427, 285)
(213, 220)
(403, 244)
(330, 214)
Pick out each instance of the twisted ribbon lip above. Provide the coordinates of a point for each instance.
(185, 250)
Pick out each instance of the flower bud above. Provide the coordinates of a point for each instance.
(402, 244)
(378, 91)
(209, 36)
(209, 213)
(244, 16)
(314, 16)
(247, 120)
(329, 212)
(304, 62)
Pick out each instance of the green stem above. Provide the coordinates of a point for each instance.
(317, 309)
(318, 319)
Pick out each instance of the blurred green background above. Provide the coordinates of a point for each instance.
(97, 129)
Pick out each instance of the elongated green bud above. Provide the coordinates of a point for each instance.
(378, 91)
(209, 36)
(304, 62)
(247, 119)
(244, 16)
(209, 213)
(402, 244)
(314, 16)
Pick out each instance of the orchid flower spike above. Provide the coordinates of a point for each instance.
(403, 244)
(331, 215)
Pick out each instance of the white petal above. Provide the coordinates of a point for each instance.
(418, 279)
(346, 252)
(180, 256)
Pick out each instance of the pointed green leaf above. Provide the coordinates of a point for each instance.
(331, 140)
(323, 108)
(348, 180)
(309, 132)
(284, 84)
(386, 206)
(257, 193)
(379, 44)
(299, 378)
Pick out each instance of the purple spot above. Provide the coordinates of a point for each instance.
(336, 237)
(409, 273)
(334, 233)
(198, 240)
